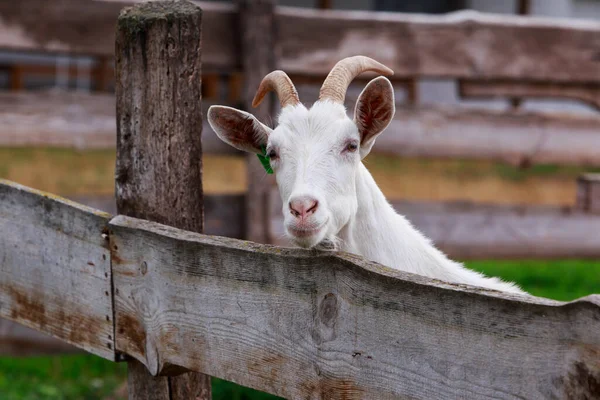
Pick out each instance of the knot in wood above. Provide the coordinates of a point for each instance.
(144, 267)
(328, 311)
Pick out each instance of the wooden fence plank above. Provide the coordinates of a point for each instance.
(88, 27)
(70, 119)
(67, 119)
(55, 271)
(515, 137)
(465, 44)
(587, 92)
(459, 45)
(70, 26)
(58, 119)
(508, 232)
(465, 230)
(305, 324)
(470, 231)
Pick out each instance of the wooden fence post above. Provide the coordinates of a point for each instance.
(257, 22)
(159, 155)
(588, 193)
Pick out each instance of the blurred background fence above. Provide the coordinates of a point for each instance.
(485, 55)
(497, 114)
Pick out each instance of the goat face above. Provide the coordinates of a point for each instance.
(315, 153)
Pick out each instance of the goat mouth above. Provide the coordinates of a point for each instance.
(302, 233)
(306, 232)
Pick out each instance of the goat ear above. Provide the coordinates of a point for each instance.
(374, 111)
(238, 128)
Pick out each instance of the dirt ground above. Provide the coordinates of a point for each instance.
(69, 172)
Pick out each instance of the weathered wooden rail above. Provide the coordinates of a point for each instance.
(296, 323)
(561, 65)
(87, 121)
(412, 45)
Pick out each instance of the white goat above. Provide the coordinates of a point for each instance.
(330, 199)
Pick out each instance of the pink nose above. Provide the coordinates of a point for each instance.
(302, 206)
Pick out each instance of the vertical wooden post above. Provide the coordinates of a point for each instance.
(588, 193)
(103, 74)
(523, 8)
(257, 23)
(159, 153)
(16, 78)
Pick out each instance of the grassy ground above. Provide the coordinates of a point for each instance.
(559, 280)
(88, 377)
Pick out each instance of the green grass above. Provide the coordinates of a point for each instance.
(84, 377)
(223, 390)
(88, 377)
(559, 280)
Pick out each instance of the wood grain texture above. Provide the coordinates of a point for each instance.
(257, 31)
(159, 150)
(88, 27)
(304, 324)
(588, 193)
(141, 386)
(55, 273)
(159, 117)
(465, 44)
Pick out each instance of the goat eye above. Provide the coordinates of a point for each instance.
(351, 147)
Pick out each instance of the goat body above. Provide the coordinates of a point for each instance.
(379, 233)
(328, 195)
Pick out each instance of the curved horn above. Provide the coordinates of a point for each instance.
(279, 82)
(336, 84)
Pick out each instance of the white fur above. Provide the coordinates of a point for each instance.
(353, 212)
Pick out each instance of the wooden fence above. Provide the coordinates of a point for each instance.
(295, 323)
(83, 120)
